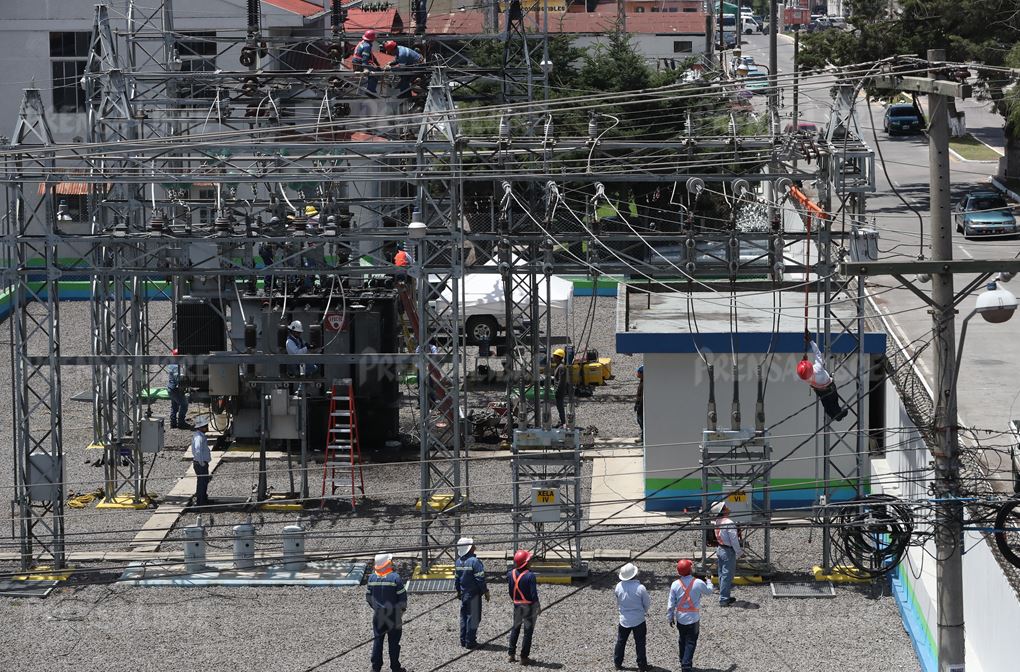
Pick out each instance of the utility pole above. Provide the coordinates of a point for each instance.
(949, 513)
(722, 35)
(774, 63)
(796, 85)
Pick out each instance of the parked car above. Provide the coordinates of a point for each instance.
(984, 213)
(803, 128)
(902, 118)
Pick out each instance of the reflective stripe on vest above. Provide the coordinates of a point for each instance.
(518, 595)
(685, 604)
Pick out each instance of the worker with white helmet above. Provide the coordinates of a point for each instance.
(684, 611)
(200, 459)
(728, 537)
(471, 588)
(364, 60)
(296, 346)
(561, 383)
(633, 603)
(387, 597)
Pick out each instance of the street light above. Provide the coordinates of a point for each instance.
(996, 305)
(417, 228)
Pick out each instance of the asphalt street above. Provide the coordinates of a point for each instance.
(989, 394)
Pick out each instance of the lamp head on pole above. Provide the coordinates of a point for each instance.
(417, 228)
(996, 305)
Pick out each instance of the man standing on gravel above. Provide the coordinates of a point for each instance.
(633, 602)
(727, 552)
(684, 610)
(561, 383)
(524, 592)
(388, 598)
(470, 584)
(200, 459)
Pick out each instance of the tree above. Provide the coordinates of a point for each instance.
(980, 31)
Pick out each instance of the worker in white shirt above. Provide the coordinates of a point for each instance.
(633, 602)
(200, 458)
(728, 538)
(822, 383)
(684, 612)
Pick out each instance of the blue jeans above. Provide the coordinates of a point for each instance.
(178, 407)
(384, 628)
(622, 634)
(524, 615)
(688, 642)
(727, 568)
(470, 617)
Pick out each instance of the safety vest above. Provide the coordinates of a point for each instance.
(685, 604)
(718, 530)
(518, 594)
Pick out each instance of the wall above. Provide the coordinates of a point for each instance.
(676, 394)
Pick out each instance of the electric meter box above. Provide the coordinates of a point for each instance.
(151, 435)
(545, 503)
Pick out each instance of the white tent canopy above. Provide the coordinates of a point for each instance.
(484, 295)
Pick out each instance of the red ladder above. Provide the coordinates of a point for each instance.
(343, 451)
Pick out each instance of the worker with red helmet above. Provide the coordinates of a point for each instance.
(822, 383)
(684, 611)
(364, 60)
(523, 588)
(403, 56)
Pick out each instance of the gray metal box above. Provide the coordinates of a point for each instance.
(44, 477)
(150, 432)
(224, 380)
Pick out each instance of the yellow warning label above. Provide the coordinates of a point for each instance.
(739, 497)
(545, 496)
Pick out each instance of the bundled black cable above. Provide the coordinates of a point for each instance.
(872, 534)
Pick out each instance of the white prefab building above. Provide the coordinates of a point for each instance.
(679, 337)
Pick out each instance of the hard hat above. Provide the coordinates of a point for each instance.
(641, 370)
(628, 571)
(390, 47)
(174, 352)
(311, 211)
(522, 558)
(383, 560)
(369, 35)
(296, 326)
(200, 421)
(718, 507)
(560, 352)
(684, 567)
(805, 369)
(464, 544)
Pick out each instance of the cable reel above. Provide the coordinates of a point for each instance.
(873, 533)
(1007, 531)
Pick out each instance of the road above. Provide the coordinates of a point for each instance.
(989, 384)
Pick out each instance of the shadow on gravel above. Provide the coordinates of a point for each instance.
(731, 668)
(745, 604)
(544, 665)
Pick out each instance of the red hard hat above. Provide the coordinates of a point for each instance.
(389, 47)
(522, 558)
(369, 35)
(684, 567)
(174, 351)
(805, 369)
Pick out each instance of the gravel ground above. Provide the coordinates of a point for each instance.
(298, 627)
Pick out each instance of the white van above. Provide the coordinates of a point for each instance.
(748, 25)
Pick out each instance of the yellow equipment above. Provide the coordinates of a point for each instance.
(590, 374)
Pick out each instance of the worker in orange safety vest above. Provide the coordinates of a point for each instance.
(684, 611)
(523, 589)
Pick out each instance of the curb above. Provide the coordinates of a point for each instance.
(1003, 188)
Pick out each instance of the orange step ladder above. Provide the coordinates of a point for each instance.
(342, 468)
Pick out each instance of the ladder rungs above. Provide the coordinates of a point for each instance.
(341, 414)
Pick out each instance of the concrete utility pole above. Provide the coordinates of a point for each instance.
(796, 85)
(774, 63)
(949, 514)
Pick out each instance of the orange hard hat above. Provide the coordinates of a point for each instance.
(805, 369)
(684, 567)
(522, 558)
(390, 47)
(369, 35)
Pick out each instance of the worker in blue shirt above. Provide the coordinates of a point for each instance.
(387, 597)
(471, 588)
(178, 399)
(403, 56)
(523, 588)
(364, 60)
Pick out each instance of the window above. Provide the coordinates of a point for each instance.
(691, 9)
(197, 51)
(68, 55)
(672, 9)
(683, 47)
(639, 10)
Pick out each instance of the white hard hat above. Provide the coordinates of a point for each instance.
(200, 421)
(383, 559)
(464, 545)
(628, 571)
(296, 326)
(718, 507)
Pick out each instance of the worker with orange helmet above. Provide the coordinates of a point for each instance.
(403, 56)
(364, 60)
(523, 588)
(684, 612)
(822, 383)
